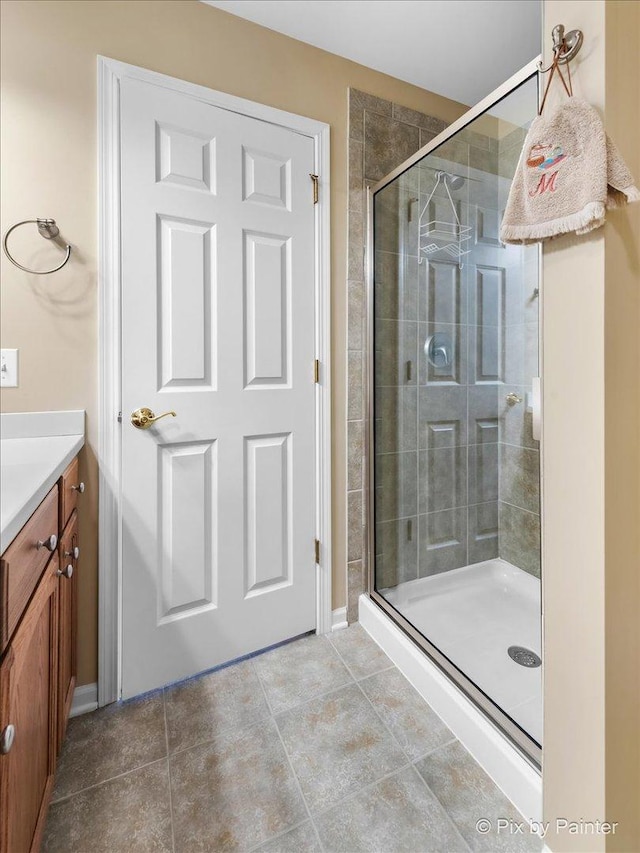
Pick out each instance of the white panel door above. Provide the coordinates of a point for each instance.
(218, 269)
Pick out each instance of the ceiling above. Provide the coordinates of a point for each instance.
(462, 49)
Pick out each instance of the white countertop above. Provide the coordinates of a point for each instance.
(35, 448)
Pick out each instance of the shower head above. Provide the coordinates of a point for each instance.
(455, 182)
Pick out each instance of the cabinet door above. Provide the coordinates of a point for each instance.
(67, 603)
(28, 686)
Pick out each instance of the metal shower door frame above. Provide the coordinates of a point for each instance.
(525, 744)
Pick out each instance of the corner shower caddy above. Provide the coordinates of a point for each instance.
(437, 235)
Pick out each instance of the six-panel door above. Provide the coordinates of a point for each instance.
(218, 322)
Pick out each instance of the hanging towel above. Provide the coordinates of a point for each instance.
(568, 174)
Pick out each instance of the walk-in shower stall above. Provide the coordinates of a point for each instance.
(454, 438)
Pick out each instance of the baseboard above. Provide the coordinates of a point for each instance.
(511, 772)
(339, 619)
(85, 699)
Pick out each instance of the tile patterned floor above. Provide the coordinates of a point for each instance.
(320, 745)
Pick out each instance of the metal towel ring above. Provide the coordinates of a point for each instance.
(48, 229)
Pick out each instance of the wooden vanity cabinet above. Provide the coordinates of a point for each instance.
(38, 614)
(28, 685)
(68, 555)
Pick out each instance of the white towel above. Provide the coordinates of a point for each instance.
(568, 174)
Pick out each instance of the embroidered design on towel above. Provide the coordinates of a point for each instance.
(539, 159)
(543, 157)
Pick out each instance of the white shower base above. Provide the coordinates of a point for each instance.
(472, 615)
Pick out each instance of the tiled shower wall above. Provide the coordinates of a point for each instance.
(519, 493)
(381, 136)
(476, 496)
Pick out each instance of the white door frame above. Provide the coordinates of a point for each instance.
(110, 73)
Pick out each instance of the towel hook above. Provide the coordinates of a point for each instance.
(48, 229)
(565, 46)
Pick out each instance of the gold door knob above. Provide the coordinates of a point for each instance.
(144, 418)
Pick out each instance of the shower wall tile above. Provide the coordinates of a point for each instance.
(355, 330)
(356, 585)
(513, 345)
(520, 538)
(387, 226)
(396, 286)
(355, 268)
(454, 151)
(516, 423)
(442, 479)
(426, 136)
(443, 541)
(442, 417)
(531, 367)
(396, 343)
(514, 139)
(455, 496)
(408, 116)
(355, 533)
(396, 419)
(520, 477)
(371, 103)
(388, 143)
(388, 273)
(392, 229)
(356, 177)
(396, 485)
(483, 159)
(483, 473)
(478, 140)
(483, 532)
(381, 136)
(355, 404)
(356, 124)
(355, 455)
(396, 552)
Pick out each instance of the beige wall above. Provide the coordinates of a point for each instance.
(622, 431)
(49, 154)
(591, 470)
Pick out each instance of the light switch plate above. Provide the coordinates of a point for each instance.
(9, 368)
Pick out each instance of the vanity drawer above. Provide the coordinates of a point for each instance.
(23, 562)
(71, 487)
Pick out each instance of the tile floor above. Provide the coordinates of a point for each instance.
(319, 745)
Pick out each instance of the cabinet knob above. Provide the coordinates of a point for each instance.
(79, 488)
(66, 572)
(75, 553)
(50, 544)
(7, 738)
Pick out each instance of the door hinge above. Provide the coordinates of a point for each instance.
(315, 180)
(317, 551)
(119, 417)
(316, 370)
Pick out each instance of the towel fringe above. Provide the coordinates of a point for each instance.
(632, 194)
(590, 217)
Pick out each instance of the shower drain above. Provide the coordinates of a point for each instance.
(525, 657)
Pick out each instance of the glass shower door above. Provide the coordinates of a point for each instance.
(455, 483)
